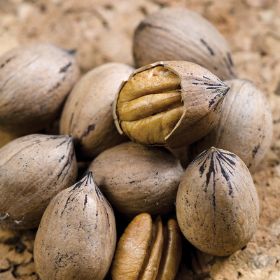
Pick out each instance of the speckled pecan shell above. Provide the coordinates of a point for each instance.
(245, 124)
(180, 34)
(138, 179)
(33, 169)
(87, 114)
(34, 82)
(217, 204)
(76, 238)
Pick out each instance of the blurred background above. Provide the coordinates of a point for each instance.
(101, 30)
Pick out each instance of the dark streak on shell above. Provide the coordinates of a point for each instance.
(65, 68)
(90, 128)
(144, 25)
(33, 190)
(88, 179)
(205, 44)
(7, 61)
(255, 150)
(79, 215)
(218, 89)
(220, 161)
(217, 204)
(44, 74)
(65, 168)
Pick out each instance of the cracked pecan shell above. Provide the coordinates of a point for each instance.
(172, 103)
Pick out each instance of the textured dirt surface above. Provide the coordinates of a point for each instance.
(101, 31)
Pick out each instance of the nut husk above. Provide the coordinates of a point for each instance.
(172, 104)
(138, 179)
(87, 114)
(34, 82)
(217, 204)
(148, 250)
(180, 34)
(77, 235)
(244, 127)
(33, 169)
